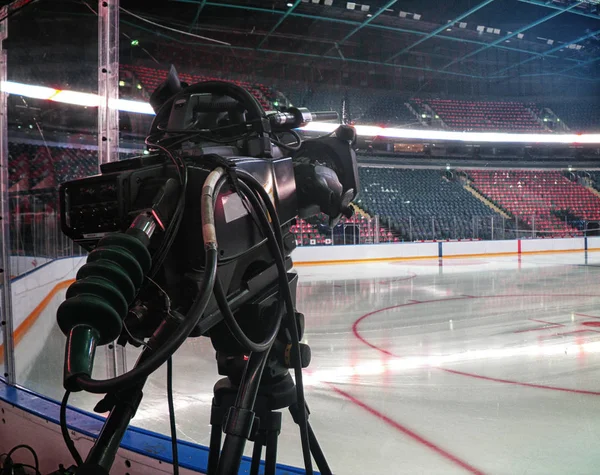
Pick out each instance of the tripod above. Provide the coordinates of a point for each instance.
(260, 424)
(245, 403)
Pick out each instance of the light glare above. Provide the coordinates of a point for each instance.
(92, 100)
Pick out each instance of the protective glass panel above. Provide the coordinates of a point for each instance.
(52, 138)
(406, 332)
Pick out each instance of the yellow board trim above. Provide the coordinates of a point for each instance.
(416, 258)
(363, 261)
(26, 325)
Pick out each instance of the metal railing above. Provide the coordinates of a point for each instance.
(37, 238)
(377, 230)
(36, 233)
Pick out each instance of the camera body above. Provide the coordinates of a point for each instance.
(94, 207)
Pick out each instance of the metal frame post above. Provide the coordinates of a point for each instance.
(108, 80)
(108, 122)
(6, 319)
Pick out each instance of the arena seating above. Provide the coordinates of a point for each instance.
(151, 78)
(478, 115)
(38, 167)
(578, 116)
(355, 230)
(387, 110)
(422, 205)
(409, 204)
(363, 107)
(307, 234)
(595, 178)
(539, 198)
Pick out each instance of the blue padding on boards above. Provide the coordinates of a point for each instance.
(440, 250)
(585, 244)
(157, 446)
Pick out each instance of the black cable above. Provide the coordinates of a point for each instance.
(172, 416)
(179, 164)
(322, 136)
(65, 430)
(247, 100)
(26, 465)
(290, 147)
(171, 231)
(235, 328)
(276, 244)
(254, 184)
(164, 352)
(30, 449)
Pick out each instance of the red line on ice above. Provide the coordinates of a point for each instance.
(462, 373)
(401, 279)
(586, 330)
(585, 315)
(531, 385)
(546, 322)
(538, 329)
(549, 325)
(406, 431)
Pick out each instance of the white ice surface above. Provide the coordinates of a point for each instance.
(479, 365)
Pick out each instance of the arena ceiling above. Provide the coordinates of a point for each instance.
(471, 41)
(482, 39)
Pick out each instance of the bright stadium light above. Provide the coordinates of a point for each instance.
(471, 137)
(72, 97)
(76, 98)
(35, 92)
(139, 107)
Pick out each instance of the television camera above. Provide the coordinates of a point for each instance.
(193, 239)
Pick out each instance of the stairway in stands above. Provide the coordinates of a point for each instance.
(486, 201)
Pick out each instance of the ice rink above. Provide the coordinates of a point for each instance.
(470, 366)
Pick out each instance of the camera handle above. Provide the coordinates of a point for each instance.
(123, 405)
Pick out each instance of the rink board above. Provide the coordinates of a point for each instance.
(321, 255)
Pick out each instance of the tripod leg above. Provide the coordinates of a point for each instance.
(272, 435)
(238, 426)
(216, 418)
(315, 448)
(317, 452)
(256, 453)
(122, 406)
